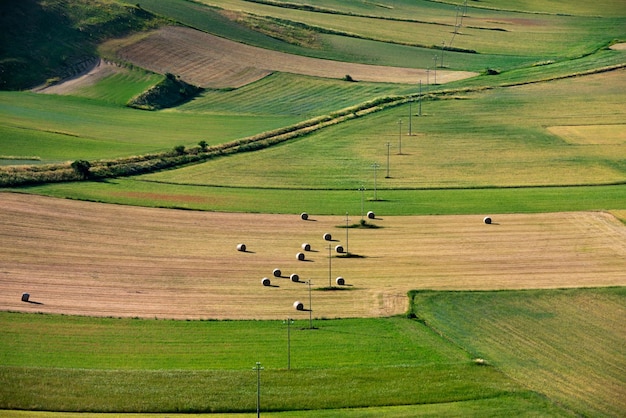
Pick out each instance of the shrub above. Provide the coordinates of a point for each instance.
(82, 167)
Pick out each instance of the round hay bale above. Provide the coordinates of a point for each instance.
(25, 297)
(300, 256)
(371, 215)
(487, 220)
(298, 306)
(304, 216)
(265, 281)
(306, 246)
(294, 278)
(241, 247)
(327, 237)
(339, 249)
(340, 281)
(277, 273)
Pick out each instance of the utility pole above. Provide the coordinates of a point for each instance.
(388, 146)
(375, 167)
(258, 369)
(411, 116)
(419, 112)
(330, 258)
(400, 138)
(310, 307)
(443, 47)
(289, 321)
(347, 228)
(362, 190)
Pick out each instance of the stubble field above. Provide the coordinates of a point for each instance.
(103, 260)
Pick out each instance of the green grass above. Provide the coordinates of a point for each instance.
(484, 139)
(536, 35)
(567, 344)
(327, 202)
(119, 88)
(68, 128)
(144, 365)
(292, 95)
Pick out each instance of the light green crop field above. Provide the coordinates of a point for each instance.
(148, 364)
(569, 343)
(65, 128)
(489, 138)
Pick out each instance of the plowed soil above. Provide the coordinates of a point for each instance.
(210, 61)
(108, 260)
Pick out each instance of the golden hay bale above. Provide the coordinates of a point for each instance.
(339, 249)
(306, 246)
(327, 237)
(294, 278)
(300, 256)
(340, 281)
(304, 216)
(277, 273)
(298, 306)
(241, 247)
(265, 281)
(371, 215)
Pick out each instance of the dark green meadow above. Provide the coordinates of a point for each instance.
(539, 129)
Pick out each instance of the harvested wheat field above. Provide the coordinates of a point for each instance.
(106, 260)
(210, 61)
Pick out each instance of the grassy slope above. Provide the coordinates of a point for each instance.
(444, 154)
(152, 362)
(30, 51)
(67, 128)
(567, 344)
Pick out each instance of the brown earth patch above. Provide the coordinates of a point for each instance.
(210, 61)
(96, 259)
(619, 47)
(88, 78)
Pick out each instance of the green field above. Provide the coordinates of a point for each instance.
(338, 364)
(540, 129)
(568, 342)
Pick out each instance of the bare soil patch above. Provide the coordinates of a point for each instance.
(210, 61)
(619, 47)
(107, 260)
(88, 78)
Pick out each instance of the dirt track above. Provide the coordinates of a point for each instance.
(210, 61)
(108, 260)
